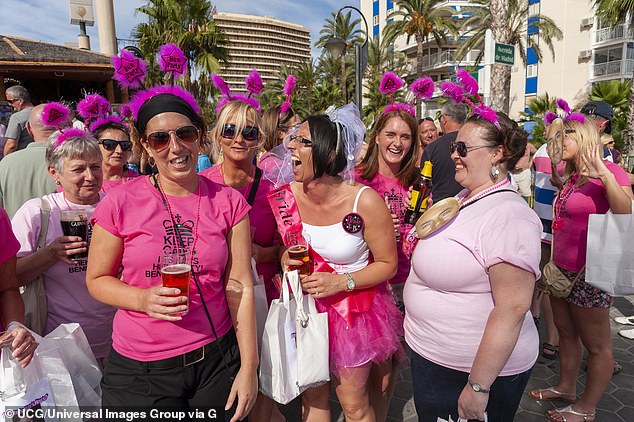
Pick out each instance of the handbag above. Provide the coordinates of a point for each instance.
(610, 253)
(34, 293)
(294, 345)
(261, 304)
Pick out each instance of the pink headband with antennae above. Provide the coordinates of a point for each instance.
(563, 111)
(253, 84)
(289, 87)
(464, 91)
(422, 88)
(56, 115)
(129, 70)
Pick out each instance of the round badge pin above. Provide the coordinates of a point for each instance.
(352, 223)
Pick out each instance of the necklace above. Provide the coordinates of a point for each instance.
(464, 202)
(244, 188)
(561, 201)
(169, 211)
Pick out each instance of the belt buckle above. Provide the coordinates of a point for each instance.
(198, 355)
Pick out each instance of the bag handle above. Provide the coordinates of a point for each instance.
(296, 287)
(45, 214)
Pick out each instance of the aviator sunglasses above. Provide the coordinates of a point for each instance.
(462, 148)
(160, 139)
(111, 144)
(249, 133)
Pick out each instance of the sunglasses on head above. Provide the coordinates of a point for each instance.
(111, 144)
(463, 149)
(249, 133)
(160, 139)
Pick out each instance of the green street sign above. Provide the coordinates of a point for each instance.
(504, 54)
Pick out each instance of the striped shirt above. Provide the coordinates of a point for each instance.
(545, 192)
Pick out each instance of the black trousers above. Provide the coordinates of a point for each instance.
(130, 383)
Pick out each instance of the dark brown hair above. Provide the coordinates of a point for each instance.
(273, 120)
(369, 166)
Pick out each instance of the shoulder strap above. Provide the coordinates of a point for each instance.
(356, 200)
(254, 186)
(45, 213)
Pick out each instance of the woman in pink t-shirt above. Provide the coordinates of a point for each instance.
(238, 134)
(468, 294)
(11, 306)
(114, 141)
(389, 167)
(593, 186)
(161, 356)
(74, 162)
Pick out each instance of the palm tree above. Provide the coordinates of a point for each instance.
(614, 12)
(423, 20)
(538, 106)
(188, 24)
(617, 94)
(341, 26)
(514, 32)
(329, 69)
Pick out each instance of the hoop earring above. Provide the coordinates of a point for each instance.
(494, 173)
(151, 161)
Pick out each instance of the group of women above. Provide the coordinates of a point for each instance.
(469, 283)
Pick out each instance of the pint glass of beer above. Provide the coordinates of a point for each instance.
(75, 223)
(298, 245)
(176, 272)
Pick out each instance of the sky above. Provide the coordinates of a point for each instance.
(48, 20)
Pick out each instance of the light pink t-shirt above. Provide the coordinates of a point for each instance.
(448, 295)
(66, 291)
(570, 228)
(137, 215)
(262, 221)
(111, 183)
(390, 188)
(9, 245)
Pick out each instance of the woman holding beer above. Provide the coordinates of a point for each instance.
(346, 222)
(74, 162)
(186, 347)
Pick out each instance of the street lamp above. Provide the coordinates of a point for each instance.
(337, 46)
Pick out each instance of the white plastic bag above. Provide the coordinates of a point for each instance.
(610, 253)
(261, 304)
(293, 340)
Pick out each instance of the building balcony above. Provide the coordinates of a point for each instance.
(447, 58)
(620, 33)
(613, 70)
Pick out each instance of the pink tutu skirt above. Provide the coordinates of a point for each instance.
(373, 336)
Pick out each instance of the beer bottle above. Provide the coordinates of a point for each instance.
(420, 194)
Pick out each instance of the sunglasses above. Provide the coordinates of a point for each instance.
(462, 148)
(249, 133)
(13, 100)
(301, 140)
(160, 140)
(111, 144)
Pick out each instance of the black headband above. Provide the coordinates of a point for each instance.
(164, 103)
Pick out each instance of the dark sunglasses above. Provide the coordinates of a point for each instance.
(302, 140)
(160, 139)
(13, 100)
(462, 148)
(249, 133)
(111, 144)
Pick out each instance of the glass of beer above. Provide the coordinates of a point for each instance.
(75, 223)
(298, 245)
(176, 272)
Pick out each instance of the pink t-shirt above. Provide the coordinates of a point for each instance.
(66, 291)
(570, 229)
(138, 216)
(110, 183)
(390, 188)
(9, 245)
(448, 295)
(262, 222)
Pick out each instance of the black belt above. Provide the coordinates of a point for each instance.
(186, 359)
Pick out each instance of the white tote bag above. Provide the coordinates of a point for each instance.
(292, 339)
(610, 253)
(261, 304)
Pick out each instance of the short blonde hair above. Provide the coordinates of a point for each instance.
(238, 113)
(75, 147)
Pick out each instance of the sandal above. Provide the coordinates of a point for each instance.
(557, 395)
(625, 320)
(550, 351)
(559, 414)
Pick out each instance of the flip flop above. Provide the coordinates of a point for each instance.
(550, 351)
(560, 417)
(625, 320)
(627, 334)
(557, 395)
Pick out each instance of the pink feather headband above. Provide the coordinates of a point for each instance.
(466, 91)
(289, 87)
(422, 88)
(56, 115)
(563, 112)
(253, 84)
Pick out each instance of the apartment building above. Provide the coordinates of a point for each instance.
(263, 43)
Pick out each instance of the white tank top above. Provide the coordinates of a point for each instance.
(344, 252)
